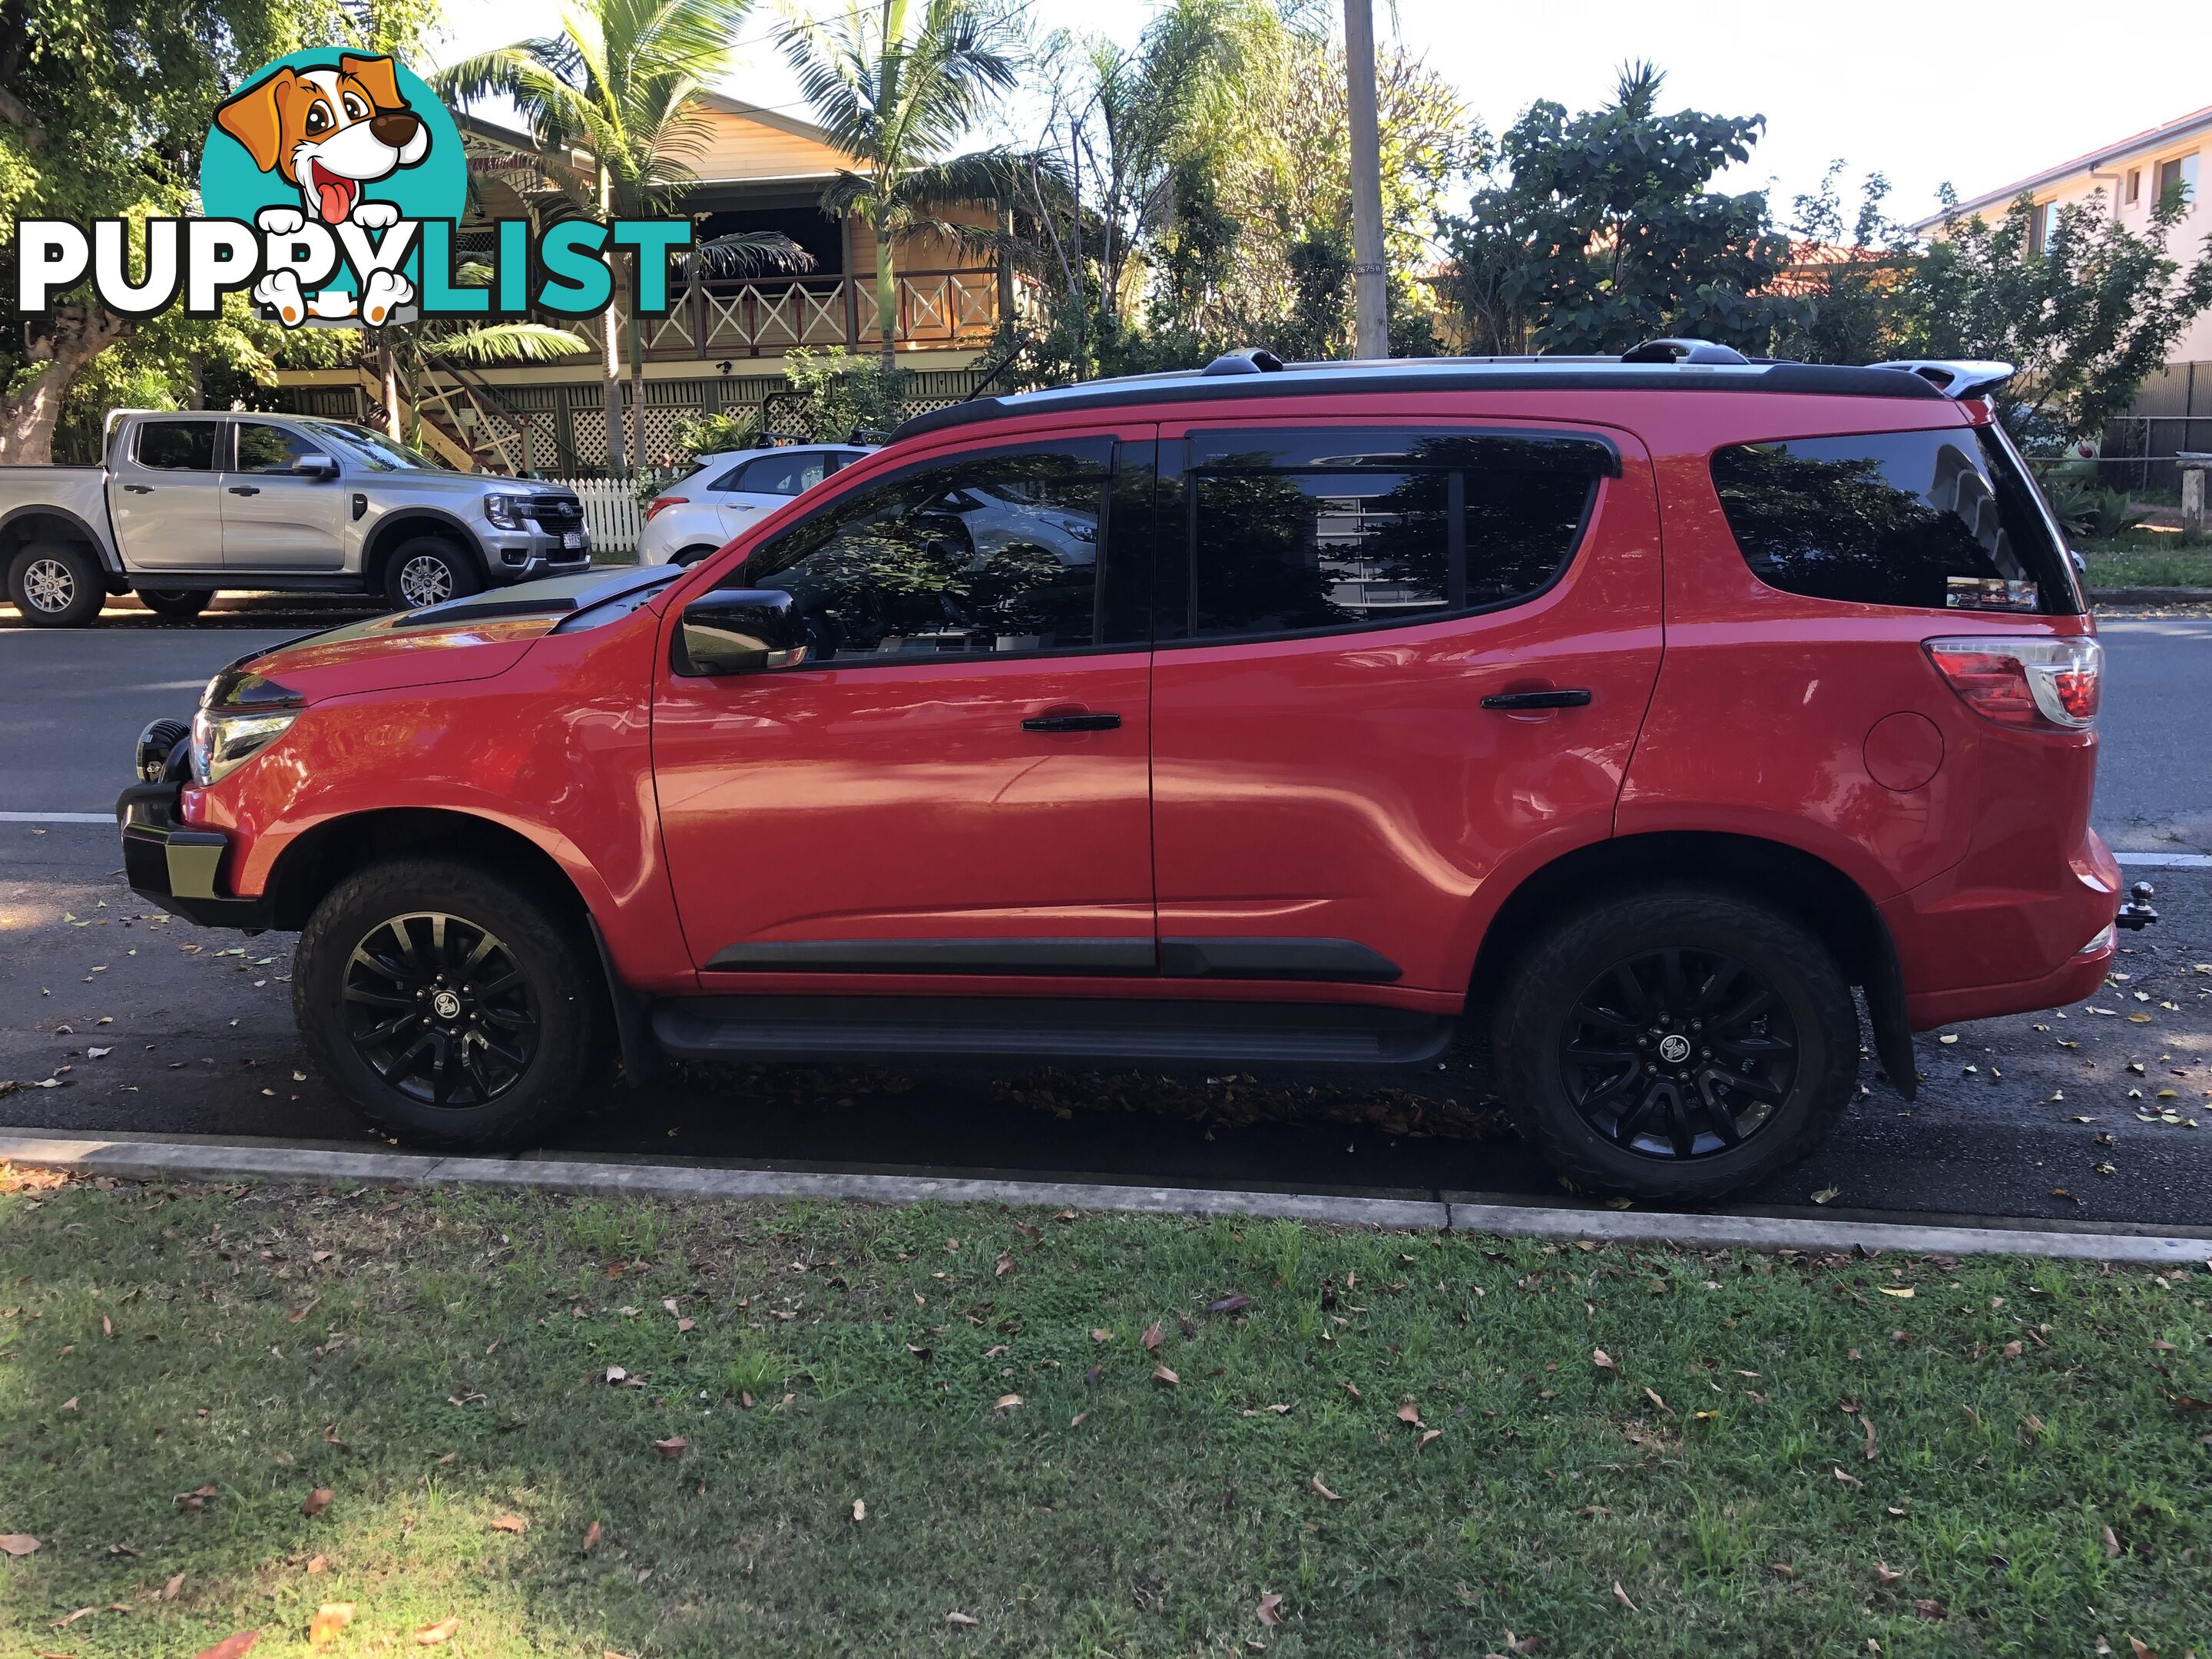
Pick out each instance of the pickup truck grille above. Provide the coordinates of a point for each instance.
(555, 514)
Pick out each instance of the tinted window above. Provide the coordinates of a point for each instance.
(991, 553)
(269, 448)
(178, 445)
(1298, 531)
(1936, 520)
(781, 475)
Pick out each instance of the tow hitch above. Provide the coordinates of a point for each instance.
(2136, 911)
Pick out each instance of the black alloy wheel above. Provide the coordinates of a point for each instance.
(1678, 1053)
(440, 1009)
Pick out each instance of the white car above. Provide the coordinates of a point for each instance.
(698, 514)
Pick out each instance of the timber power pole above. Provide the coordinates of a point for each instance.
(1369, 274)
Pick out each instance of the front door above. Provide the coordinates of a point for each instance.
(955, 783)
(1392, 661)
(165, 494)
(275, 518)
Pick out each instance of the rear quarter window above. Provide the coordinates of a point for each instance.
(1941, 520)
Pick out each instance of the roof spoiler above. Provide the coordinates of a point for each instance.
(1955, 378)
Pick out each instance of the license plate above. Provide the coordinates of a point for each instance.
(572, 538)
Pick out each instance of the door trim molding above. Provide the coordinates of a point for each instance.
(1261, 958)
(1074, 956)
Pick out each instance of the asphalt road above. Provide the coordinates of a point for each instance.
(199, 1042)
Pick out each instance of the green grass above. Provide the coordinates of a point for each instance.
(444, 1365)
(2146, 560)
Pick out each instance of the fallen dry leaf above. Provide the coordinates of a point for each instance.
(1427, 1435)
(1827, 1195)
(1929, 1606)
(958, 1617)
(1164, 1377)
(1902, 1291)
(1228, 1305)
(21, 1543)
(318, 1563)
(2140, 1648)
(1268, 1603)
(69, 1619)
(1409, 1412)
(1783, 1570)
(1151, 1338)
(1333, 1498)
(1603, 1361)
(169, 1590)
(231, 1646)
(1848, 1480)
(2030, 1427)
(1886, 1575)
(2011, 1351)
(1007, 1402)
(1621, 1597)
(672, 1448)
(197, 1500)
(1004, 1265)
(508, 1523)
(1102, 1336)
(590, 1534)
(430, 1635)
(316, 1502)
(1652, 1395)
(1866, 1423)
(329, 1619)
(860, 1509)
(2111, 1543)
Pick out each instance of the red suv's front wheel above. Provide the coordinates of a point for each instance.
(1677, 1044)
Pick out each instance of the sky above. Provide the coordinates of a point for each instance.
(1979, 93)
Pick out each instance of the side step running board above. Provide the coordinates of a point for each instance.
(1132, 1032)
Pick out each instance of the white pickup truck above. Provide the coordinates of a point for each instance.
(189, 504)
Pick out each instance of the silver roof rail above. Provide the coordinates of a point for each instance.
(1955, 378)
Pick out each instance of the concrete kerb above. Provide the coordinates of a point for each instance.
(206, 1161)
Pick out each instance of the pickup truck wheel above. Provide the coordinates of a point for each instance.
(55, 585)
(1677, 1045)
(180, 602)
(449, 1007)
(428, 571)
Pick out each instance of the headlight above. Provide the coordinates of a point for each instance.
(221, 743)
(505, 511)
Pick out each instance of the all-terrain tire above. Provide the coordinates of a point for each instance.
(182, 602)
(1542, 1024)
(426, 570)
(55, 585)
(540, 971)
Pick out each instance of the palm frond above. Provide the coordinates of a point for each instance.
(507, 343)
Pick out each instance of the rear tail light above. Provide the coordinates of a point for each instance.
(661, 502)
(2031, 682)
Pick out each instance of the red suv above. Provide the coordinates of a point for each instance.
(1626, 712)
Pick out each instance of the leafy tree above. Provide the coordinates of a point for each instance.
(1849, 275)
(104, 105)
(897, 86)
(612, 105)
(1602, 231)
(2085, 317)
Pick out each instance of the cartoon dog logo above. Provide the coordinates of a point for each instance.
(329, 132)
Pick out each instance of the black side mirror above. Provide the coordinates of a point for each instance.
(745, 630)
(317, 465)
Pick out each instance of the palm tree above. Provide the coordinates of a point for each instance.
(895, 86)
(611, 102)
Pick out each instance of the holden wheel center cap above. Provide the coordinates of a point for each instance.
(1673, 1048)
(446, 1006)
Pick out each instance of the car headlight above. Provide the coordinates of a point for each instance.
(221, 743)
(505, 511)
(241, 713)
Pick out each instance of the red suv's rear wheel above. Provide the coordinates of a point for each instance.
(1678, 1044)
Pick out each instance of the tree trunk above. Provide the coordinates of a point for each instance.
(886, 293)
(637, 383)
(387, 367)
(77, 333)
(610, 362)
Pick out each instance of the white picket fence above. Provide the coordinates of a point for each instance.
(611, 513)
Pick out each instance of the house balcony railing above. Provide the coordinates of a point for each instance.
(765, 317)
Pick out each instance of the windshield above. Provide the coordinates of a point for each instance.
(382, 454)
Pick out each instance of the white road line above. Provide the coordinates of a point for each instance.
(271, 1160)
(2166, 860)
(107, 818)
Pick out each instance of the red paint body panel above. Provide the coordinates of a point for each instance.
(1343, 787)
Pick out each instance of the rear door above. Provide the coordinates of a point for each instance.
(275, 518)
(1394, 662)
(759, 487)
(165, 494)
